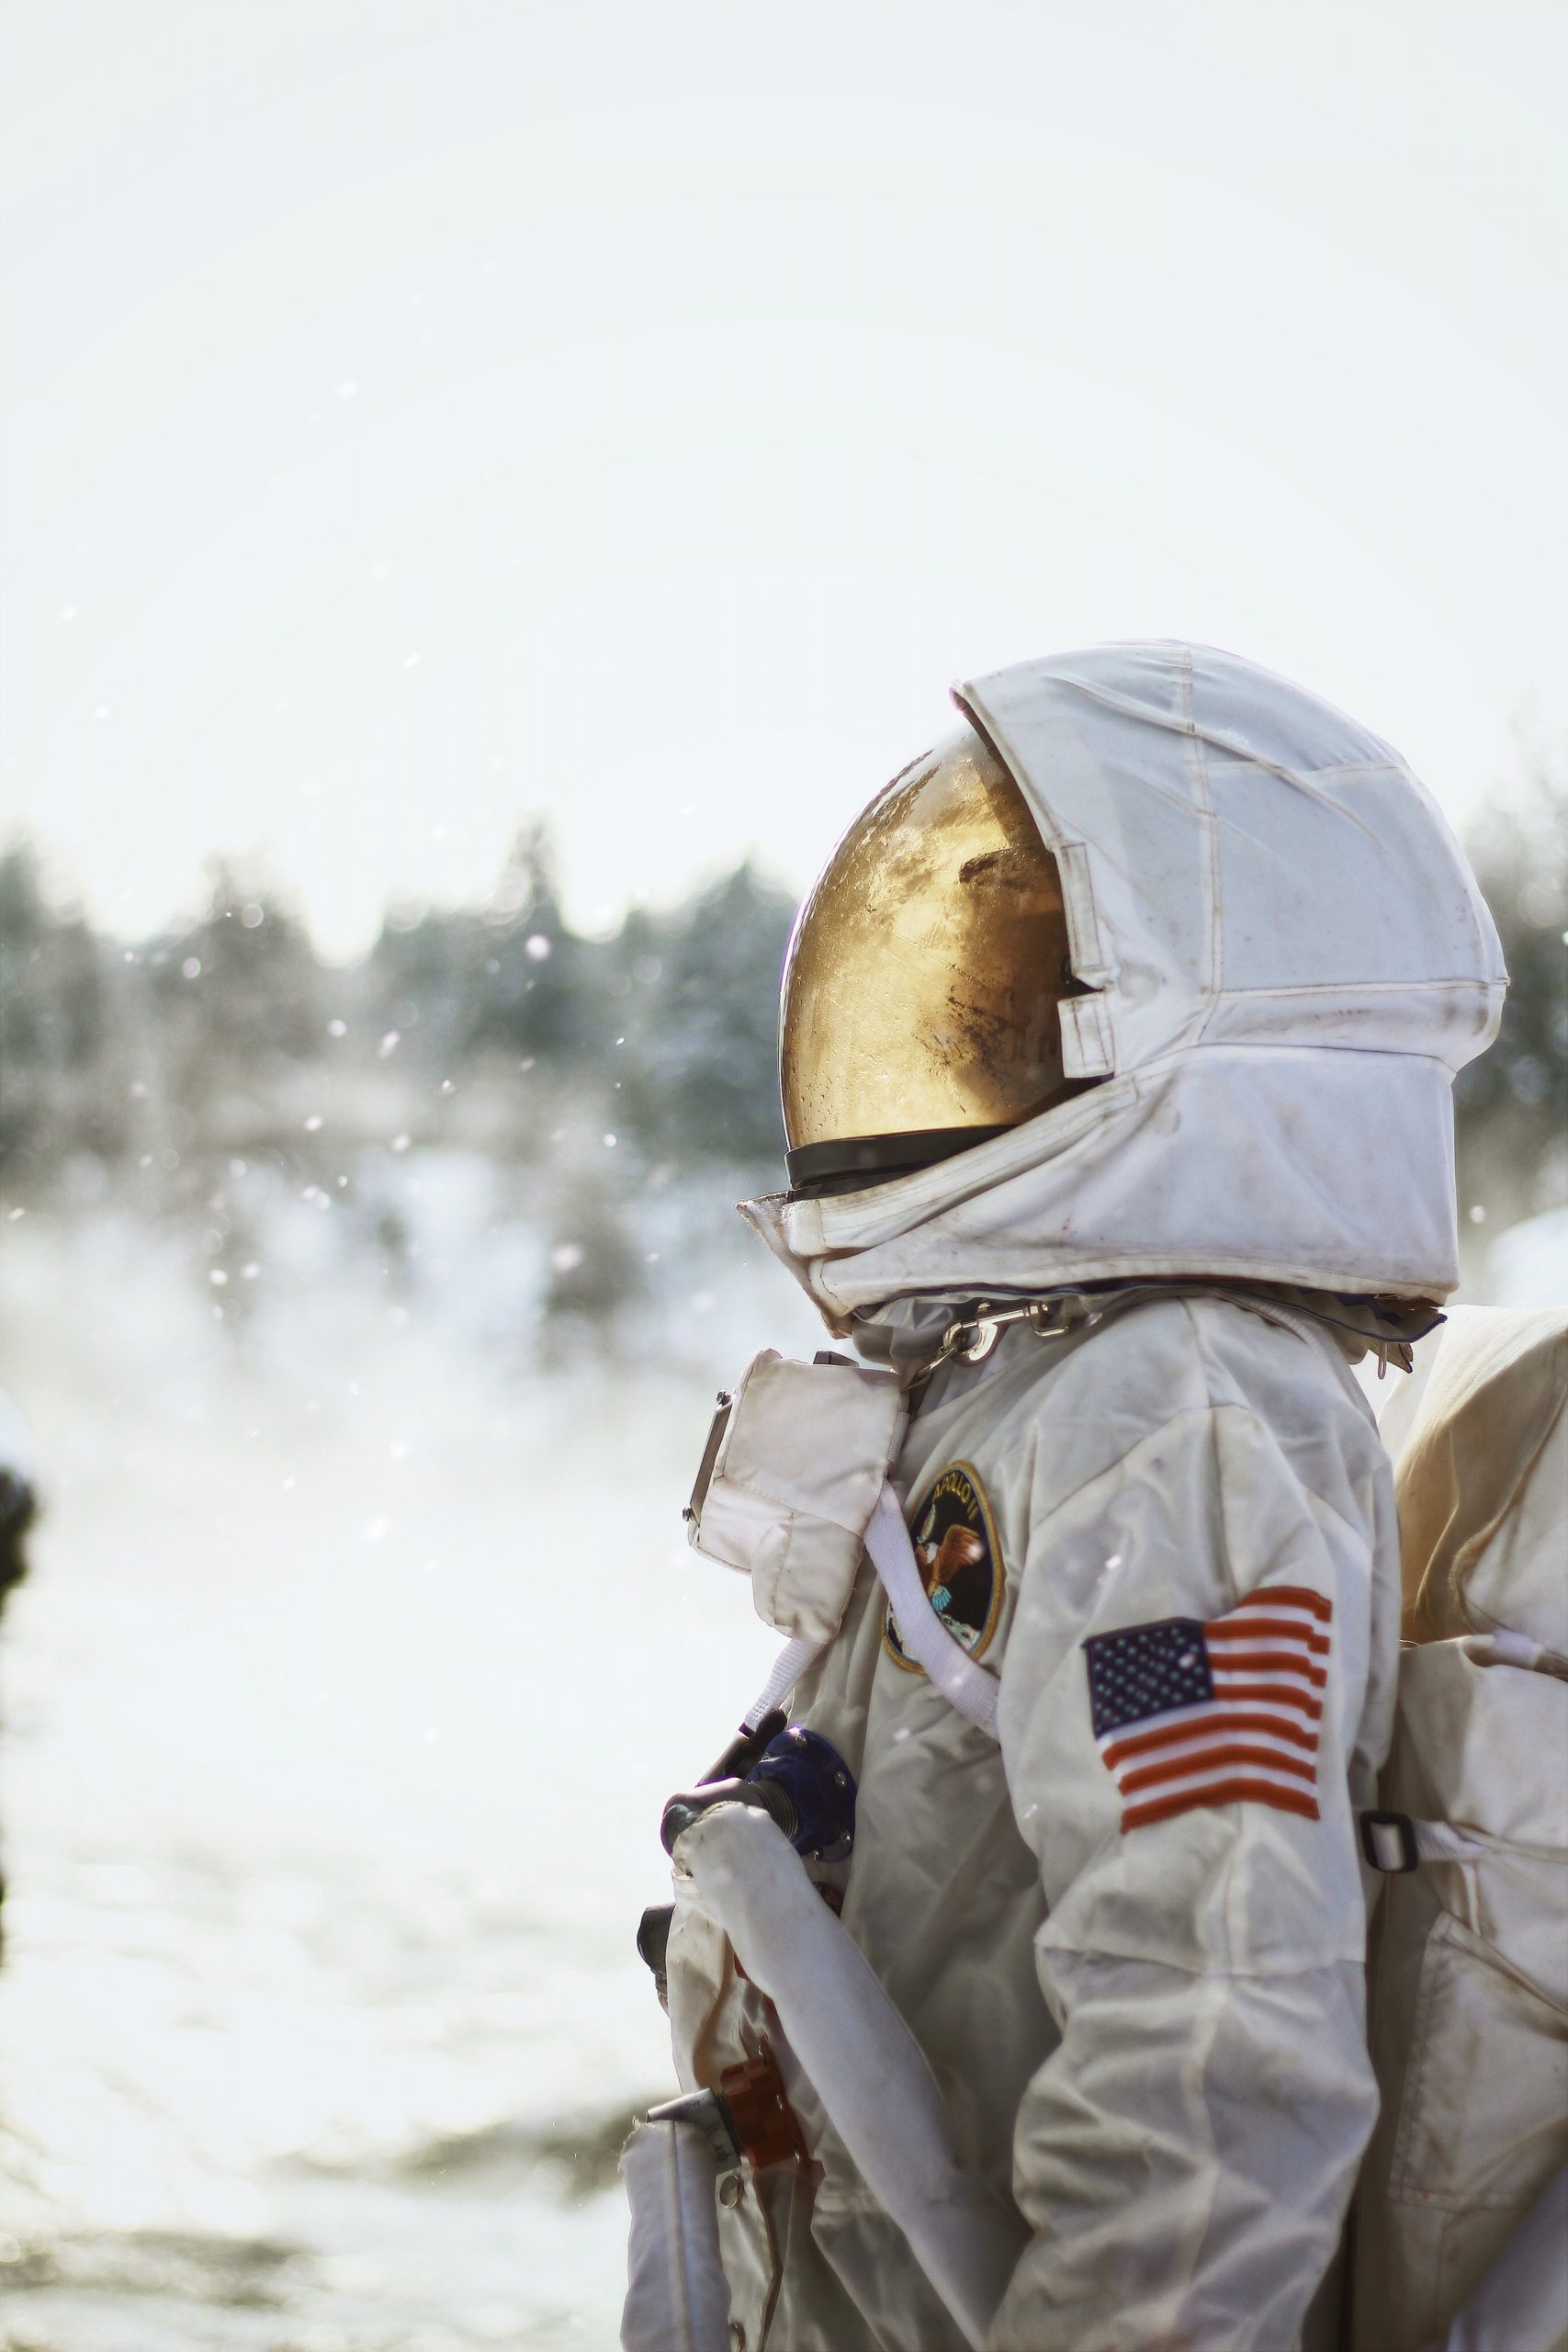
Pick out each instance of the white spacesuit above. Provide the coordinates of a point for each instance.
(1167, 1059)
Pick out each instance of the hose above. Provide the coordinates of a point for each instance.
(859, 2055)
(677, 2298)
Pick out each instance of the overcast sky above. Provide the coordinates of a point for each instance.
(422, 413)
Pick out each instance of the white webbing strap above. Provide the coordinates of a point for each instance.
(1394, 1842)
(1437, 1841)
(1504, 1649)
(970, 1687)
(788, 1667)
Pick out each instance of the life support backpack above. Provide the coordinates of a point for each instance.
(1461, 2229)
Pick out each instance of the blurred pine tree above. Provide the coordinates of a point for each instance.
(59, 1091)
(1512, 1104)
(707, 1048)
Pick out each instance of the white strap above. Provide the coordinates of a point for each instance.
(1394, 1842)
(1504, 1649)
(788, 1667)
(1437, 1841)
(972, 1689)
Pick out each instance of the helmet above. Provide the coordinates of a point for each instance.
(920, 987)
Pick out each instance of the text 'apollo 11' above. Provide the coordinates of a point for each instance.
(1188, 1715)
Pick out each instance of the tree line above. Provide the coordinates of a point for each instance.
(498, 1025)
(215, 1032)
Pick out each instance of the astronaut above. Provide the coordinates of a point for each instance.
(1117, 1045)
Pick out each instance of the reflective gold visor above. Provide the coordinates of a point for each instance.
(921, 984)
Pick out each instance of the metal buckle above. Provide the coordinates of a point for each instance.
(693, 1514)
(708, 2113)
(985, 1334)
(1401, 1830)
(971, 1339)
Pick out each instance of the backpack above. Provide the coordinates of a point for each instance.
(1460, 2227)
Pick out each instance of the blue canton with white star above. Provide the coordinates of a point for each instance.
(1144, 1669)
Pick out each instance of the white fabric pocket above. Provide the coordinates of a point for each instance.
(799, 1467)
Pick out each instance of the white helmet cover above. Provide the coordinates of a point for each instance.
(1289, 959)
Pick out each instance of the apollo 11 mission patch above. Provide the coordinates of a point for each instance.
(960, 1563)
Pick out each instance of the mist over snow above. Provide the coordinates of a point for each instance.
(366, 1321)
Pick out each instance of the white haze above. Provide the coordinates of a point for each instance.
(417, 414)
(354, 1667)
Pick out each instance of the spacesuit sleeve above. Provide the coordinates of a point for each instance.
(1185, 2156)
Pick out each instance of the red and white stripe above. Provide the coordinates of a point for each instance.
(1257, 1737)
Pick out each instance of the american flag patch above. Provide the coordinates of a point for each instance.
(1188, 1715)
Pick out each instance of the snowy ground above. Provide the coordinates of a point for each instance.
(340, 1707)
(359, 1653)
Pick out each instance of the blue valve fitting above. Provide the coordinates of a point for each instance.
(808, 1772)
(799, 1780)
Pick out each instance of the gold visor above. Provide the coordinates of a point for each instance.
(921, 984)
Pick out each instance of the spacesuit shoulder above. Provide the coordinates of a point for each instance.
(1146, 1365)
(1103, 1406)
